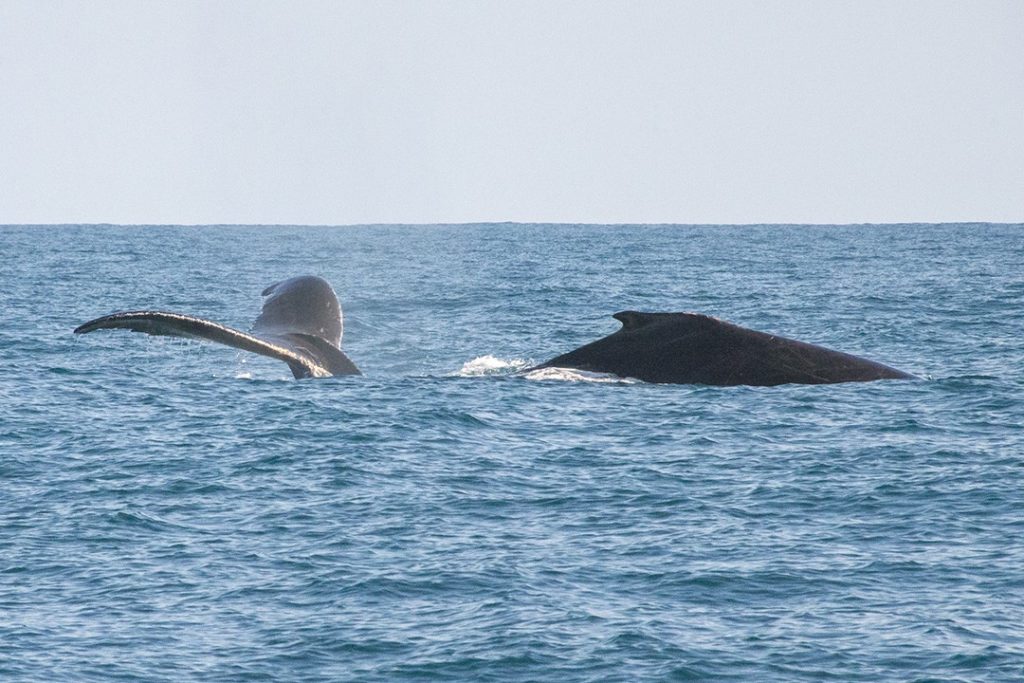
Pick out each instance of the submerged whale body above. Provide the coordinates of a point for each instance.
(689, 348)
(300, 324)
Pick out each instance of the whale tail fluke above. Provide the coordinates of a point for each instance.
(300, 324)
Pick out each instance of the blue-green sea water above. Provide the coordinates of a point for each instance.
(176, 511)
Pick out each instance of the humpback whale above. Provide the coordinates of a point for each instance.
(689, 348)
(300, 324)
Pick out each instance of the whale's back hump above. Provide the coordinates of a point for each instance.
(690, 348)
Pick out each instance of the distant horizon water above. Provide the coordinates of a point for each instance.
(517, 223)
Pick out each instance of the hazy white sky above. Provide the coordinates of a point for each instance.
(348, 112)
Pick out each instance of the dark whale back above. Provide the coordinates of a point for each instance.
(689, 348)
(300, 324)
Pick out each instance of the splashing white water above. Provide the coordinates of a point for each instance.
(572, 375)
(490, 365)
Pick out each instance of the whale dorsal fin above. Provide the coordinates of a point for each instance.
(632, 320)
(635, 320)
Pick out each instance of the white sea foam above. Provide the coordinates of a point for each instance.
(572, 375)
(491, 365)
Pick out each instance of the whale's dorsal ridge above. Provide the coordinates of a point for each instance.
(635, 320)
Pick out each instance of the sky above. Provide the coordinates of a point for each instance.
(675, 111)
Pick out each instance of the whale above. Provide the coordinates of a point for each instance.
(300, 324)
(692, 348)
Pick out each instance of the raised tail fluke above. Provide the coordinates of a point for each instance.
(300, 325)
(189, 327)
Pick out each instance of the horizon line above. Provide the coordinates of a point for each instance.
(508, 223)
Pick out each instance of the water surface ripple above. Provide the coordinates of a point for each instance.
(175, 511)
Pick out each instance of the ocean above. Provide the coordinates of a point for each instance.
(178, 511)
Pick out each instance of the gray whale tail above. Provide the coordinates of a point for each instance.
(690, 348)
(300, 324)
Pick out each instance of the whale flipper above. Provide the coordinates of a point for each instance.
(300, 324)
(689, 348)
